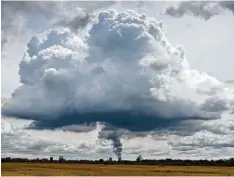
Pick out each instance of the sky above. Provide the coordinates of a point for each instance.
(90, 80)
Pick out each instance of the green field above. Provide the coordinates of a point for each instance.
(58, 169)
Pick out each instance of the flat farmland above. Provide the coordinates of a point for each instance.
(63, 169)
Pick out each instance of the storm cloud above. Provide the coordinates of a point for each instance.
(120, 70)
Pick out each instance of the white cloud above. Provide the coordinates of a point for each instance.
(204, 10)
(18, 141)
(131, 49)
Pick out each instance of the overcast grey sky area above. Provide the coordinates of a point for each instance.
(117, 78)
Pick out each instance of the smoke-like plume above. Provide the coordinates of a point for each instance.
(117, 145)
(116, 141)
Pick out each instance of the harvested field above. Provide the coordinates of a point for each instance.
(57, 169)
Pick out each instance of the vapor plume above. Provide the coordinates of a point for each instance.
(116, 142)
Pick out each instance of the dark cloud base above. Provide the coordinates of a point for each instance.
(129, 120)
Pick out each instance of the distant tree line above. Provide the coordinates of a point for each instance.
(139, 161)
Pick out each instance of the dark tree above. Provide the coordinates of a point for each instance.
(139, 158)
(61, 159)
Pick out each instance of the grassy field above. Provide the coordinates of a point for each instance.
(43, 169)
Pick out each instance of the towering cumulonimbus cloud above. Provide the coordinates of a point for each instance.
(120, 69)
